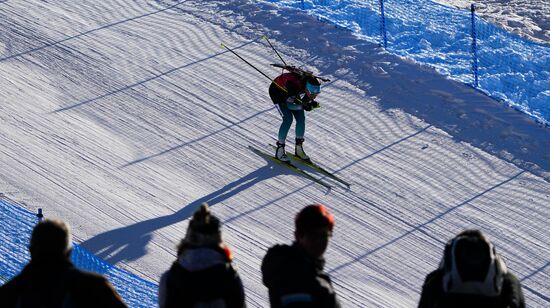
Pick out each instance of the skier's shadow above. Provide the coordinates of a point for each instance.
(130, 242)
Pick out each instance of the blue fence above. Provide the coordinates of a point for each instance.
(16, 226)
(457, 42)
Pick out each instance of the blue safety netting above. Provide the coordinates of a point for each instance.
(16, 226)
(513, 69)
(439, 37)
(454, 41)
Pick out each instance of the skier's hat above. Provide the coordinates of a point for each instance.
(313, 216)
(204, 228)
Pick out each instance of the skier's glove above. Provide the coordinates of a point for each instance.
(314, 104)
(311, 105)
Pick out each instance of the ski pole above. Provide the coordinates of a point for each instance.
(272, 80)
(282, 88)
(272, 47)
(223, 45)
(279, 110)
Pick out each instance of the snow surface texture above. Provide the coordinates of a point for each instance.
(122, 117)
(529, 19)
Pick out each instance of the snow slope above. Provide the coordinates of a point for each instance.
(122, 117)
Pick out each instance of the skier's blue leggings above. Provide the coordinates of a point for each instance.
(287, 122)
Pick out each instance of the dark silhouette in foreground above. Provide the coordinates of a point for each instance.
(471, 275)
(294, 273)
(51, 280)
(203, 275)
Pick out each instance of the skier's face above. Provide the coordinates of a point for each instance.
(312, 90)
(312, 96)
(314, 241)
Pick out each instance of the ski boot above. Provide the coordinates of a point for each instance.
(299, 150)
(280, 153)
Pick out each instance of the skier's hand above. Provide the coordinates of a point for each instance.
(311, 105)
(302, 99)
(315, 104)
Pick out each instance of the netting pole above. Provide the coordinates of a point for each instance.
(383, 24)
(474, 45)
(40, 215)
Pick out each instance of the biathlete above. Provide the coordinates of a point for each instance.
(295, 94)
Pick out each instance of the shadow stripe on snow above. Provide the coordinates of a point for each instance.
(88, 32)
(156, 76)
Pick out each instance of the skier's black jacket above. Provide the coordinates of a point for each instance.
(295, 86)
(433, 295)
(295, 280)
(292, 83)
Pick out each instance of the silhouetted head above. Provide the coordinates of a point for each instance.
(471, 266)
(50, 241)
(204, 229)
(472, 254)
(314, 225)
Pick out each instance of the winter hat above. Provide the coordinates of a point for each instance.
(50, 240)
(472, 266)
(313, 216)
(204, 228)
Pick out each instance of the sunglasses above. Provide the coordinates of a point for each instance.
(313, 89)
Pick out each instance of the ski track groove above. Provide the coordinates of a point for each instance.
(159, 85)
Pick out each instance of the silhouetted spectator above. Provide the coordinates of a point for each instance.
(203, 275)
(471, 275)
(50, 279)
(294, 274)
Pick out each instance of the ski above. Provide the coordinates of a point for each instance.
(291, 166)
(317, 167)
